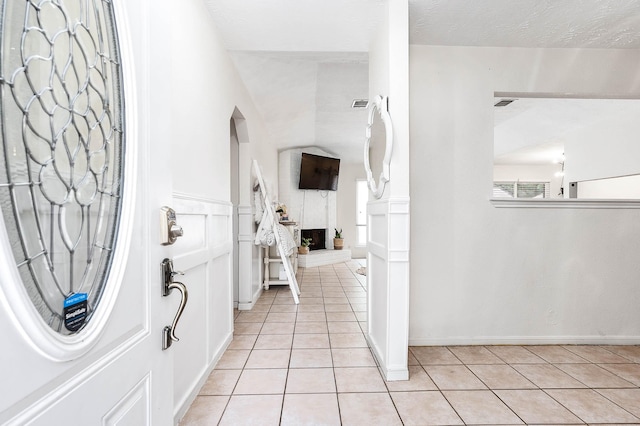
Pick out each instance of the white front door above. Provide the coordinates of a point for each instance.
(113, 370)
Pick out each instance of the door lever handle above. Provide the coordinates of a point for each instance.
(169, 332)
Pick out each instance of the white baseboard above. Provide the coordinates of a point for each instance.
(249, 305)
(390, 373)
(526, 340)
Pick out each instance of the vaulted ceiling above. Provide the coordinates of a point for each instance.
(304, 61)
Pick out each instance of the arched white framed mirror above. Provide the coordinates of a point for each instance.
(378, 146)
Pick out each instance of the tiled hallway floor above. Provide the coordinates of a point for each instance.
(310, 365)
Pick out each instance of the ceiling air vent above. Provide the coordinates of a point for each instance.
(504, 102)
(360, 103)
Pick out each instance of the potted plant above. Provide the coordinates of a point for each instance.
(338, 241)
(304, 246)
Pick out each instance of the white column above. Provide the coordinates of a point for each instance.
(388, 224)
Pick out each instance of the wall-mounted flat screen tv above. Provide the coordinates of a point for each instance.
(318, 172)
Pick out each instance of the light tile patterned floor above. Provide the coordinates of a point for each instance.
(310, 365)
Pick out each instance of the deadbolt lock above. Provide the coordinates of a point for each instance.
(169, 229)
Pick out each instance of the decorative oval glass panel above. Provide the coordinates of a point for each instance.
(62, 154)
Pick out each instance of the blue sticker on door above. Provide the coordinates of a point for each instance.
(75, 311)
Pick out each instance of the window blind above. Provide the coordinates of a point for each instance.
(521, 189)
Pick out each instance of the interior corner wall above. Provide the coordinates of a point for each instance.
(484, 275)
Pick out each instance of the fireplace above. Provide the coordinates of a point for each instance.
(318, 238)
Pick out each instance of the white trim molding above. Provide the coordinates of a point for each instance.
(526, 340)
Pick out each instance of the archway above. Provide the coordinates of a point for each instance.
(245, 270)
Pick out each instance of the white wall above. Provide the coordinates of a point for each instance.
(206, 90)
(346, 203)
(488, 275)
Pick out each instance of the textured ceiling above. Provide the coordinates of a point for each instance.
(303, 60)
(526, 23)
(348, 25)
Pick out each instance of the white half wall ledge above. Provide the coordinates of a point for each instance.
(564, 203)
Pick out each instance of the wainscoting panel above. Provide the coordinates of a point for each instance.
(388, 284)
(205, 330)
